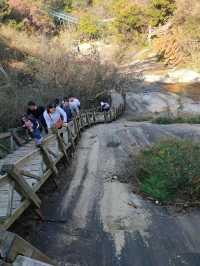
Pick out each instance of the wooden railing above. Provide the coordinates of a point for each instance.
(24, 171)
(12, 140)
(16, 251)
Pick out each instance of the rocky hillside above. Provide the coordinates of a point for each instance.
(38, 54)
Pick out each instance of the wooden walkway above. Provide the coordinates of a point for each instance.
(24, 171)
(17, 252)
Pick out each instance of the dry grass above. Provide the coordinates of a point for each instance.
(43, 69)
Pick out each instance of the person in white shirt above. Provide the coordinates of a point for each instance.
(105, 106)
(60, 110)
(53, 117)
(62, 113)
(75, 105)
(77, 102)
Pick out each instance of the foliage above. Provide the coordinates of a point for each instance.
(66, 5)
(159, 11)
(29, 15)
(19, 26)
(170, 169)
(4, 9)
(90, 28)
(42, 68)
(175, 120)
(130, 20)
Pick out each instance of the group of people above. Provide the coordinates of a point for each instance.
(38, 118)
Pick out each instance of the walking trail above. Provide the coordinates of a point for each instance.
(96, 218)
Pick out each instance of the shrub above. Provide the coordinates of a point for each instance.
(90, 27)
(30, 15)
(159, 11)
(130, 20)
(4, 10)
(42, 69)
(170, 169)
(59, 4)
(180, 119)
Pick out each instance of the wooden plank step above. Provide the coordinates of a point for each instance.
(13, 246)
(26, 261)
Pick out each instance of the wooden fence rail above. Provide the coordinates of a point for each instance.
(12, 140)
(16, 251)
(25, 170)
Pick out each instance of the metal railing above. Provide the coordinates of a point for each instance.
(61, 16)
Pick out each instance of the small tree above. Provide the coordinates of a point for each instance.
(4, 9)
(159, 11)
(65, 5)
(90, 27)
(130, 20)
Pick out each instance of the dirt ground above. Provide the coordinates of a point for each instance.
(96, 219)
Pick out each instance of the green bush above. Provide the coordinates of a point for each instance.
(90, 28)
(130, 20)
(159, 11)
(16, 25)
(4, 9)
(59, 4)
(176, 120)
(170, 169)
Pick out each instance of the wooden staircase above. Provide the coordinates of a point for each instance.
(16, 251)
(24, 171)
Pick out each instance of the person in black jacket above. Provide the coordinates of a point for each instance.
(37, 113)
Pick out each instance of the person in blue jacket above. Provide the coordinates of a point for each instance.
(33, 126)
(66, 107)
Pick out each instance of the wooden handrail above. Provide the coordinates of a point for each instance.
(59, 144)
(5, 135)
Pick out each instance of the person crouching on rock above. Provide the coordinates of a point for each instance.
(53, 117)
(105, 107)
(30, 123)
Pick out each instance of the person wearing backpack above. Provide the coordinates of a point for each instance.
(33, 126)
(105, 107)
(37, 112)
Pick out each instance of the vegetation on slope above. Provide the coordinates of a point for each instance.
(37, 52)
(165, 120)
(170, 170)
(41, 69)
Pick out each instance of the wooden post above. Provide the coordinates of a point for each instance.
(71, 138)
(16, 138)
(104, 115)
(62, 146)
(110, 116)
(78, 126)
(88, 119)
(10, 203)
(49, 162)
(81, 120)
(22, 185)
(115, 113)
(75, 126)
(120, 112)
(11, 143)
(94, 117)
(12, 246)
